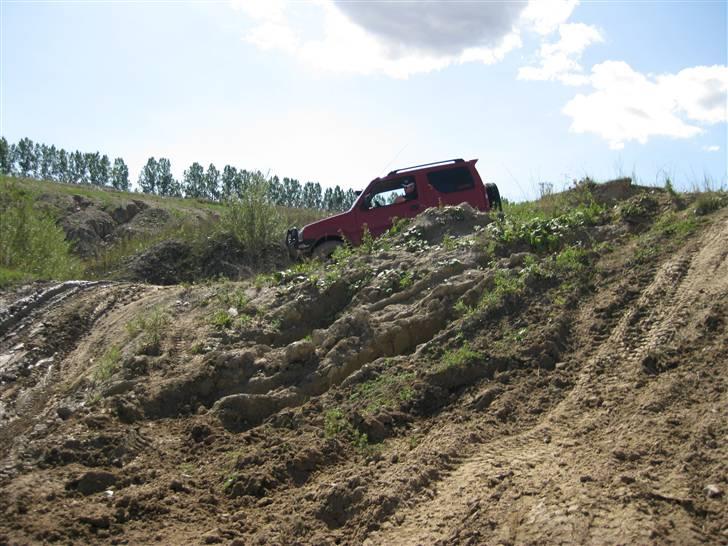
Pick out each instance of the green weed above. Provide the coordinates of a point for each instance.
(710, 202)
(150, 326)
(505, 283)
(221, 319)
(108, 364)
(384, 391)
(406, 279)
(335, 423)
(462, 356)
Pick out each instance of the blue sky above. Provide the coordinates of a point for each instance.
(341, 92)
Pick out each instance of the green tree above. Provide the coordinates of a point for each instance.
(212, 182)
(311, 195)
(77, 168)
(93, 166)
(120, 175)
(229, 182)
(46, 161)
(60, 166)
(25, 157)
(148, 177)
(193, 182)
(166, 184)
(6, 161)
(104, 170)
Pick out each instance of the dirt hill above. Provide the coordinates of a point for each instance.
(554, 376)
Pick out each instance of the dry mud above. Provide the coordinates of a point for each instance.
(363, 406)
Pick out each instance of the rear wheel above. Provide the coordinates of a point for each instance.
(324, 250)
(493, 197)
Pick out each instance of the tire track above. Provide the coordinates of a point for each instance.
(537, 486)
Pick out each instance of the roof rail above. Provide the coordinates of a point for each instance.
(459, 160)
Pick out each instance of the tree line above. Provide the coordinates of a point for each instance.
(35, 160)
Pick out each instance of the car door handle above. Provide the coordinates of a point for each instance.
(415, 206)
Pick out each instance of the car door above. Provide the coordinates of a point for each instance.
(383, 204)
(455, 185)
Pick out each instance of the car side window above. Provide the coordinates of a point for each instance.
(391, 192)
(451, 180)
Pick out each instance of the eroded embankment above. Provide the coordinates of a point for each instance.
(447, 384)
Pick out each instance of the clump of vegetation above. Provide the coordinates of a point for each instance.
(384, 391)
(463, 356)
(193, 231)
(710, 202)
(336, 424)
(253, 219)
(221, 319)
(505, 283)
(32, 246)
(541, 232)
(150, 328)
(108, 364)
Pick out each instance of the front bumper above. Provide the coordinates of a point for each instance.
(296, 244)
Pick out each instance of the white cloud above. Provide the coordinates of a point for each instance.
(398, 39)
(436, 26)
(626, 105)
(545, 16)
(559, 60)
(713, 148)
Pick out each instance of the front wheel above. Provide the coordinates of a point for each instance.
(324, 250)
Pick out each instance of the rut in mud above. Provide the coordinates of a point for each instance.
(433, 388)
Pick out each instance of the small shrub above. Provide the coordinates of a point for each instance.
(150, 326)
(504, 284)
(32, 246)
(221, 319)
(406, 279)
(108, 364)
(572, 259)
(334, 423)
(710, 202)
(367, 241)
(253, 219)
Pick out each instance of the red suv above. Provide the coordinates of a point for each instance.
(403, 193)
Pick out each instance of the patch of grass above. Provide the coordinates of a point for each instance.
(406, 279)
(32, 246)
(710, 202)
(221, 319)
(335, 423)
(108, 364)
(449, 243)
(462, 309)
(505, 283)
(573, 259)
(542, 232)
(671, 225)
(384, 391)
(112, 257)
(150, 326)
(234, 297)
(462, 356)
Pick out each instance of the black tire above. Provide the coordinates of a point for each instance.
(323, 251)
(494, 198)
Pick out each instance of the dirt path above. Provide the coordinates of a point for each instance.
(587, 472)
